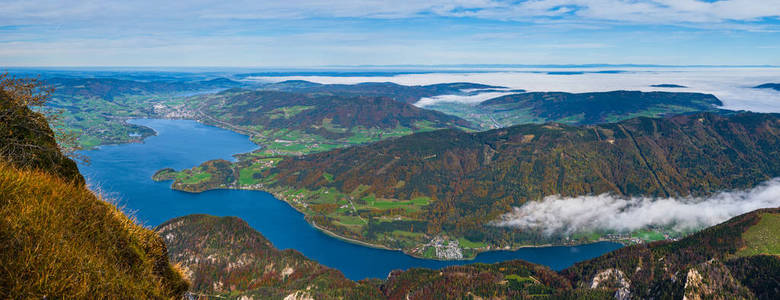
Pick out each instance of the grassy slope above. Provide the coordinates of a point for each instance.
(59, 240)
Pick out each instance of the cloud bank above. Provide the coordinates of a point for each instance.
(568, 215)
(465, 99)
(733, 86)
(640, 11)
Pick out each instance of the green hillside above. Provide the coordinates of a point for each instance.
(578, 108)
(294, 123)
(97, 108)
(450, 185)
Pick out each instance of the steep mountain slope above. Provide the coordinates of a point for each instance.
(296, 123)
(227, 253)
(57, 238)
(26, 141)
(452, 184)
(715, 262)
(226, 257)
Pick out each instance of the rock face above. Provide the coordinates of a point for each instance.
(613, 279)
(705, 265)
(713, 280)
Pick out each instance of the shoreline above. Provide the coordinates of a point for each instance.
(277, 195)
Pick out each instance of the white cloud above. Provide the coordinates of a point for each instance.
(465, 99)
(568, 215)
(733, 86)
(643, 11)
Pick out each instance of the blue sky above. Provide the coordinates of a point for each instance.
(346, 32)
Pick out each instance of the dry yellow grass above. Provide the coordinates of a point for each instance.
(60, 240)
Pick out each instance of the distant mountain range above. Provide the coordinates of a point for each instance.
(668, 85)
(109, 88)
(403, 93)
(774, 86)
(578, 108)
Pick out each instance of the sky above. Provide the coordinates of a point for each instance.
(301, 33)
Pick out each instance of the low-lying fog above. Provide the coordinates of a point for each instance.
(568, 215)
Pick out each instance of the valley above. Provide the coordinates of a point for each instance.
(376, 150)
(407, 205)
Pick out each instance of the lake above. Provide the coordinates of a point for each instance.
(123, 172)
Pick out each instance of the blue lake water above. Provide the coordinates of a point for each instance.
(123, 172)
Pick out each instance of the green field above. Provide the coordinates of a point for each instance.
(465, 243)
(193, 176)
(763, 238)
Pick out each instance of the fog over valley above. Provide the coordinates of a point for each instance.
(606, 212)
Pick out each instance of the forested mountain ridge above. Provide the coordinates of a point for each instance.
(735, 259)
(226, 257)
(297, 123)
(774, 86)
(739, 258)
(602, 107)
(402, 93)
(578, 108)
(450, 185)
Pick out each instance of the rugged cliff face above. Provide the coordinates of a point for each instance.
(58, 239)
(735, 259)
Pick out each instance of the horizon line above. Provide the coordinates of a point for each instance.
(434, 66)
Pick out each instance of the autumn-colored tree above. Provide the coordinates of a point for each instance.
(28, 140)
